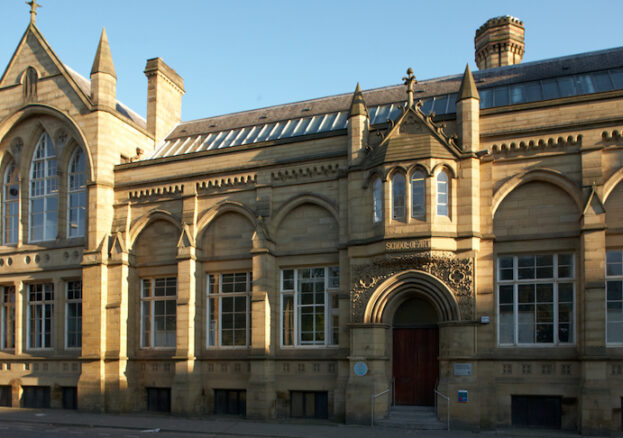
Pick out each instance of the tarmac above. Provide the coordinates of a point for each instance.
(238, 427)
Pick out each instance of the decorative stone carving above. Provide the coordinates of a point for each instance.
(456, 273)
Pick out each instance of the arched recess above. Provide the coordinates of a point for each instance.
(613, 202)
(224, 207)
(156, 244)
(392, 292)
(155, 215)
(228, 235)
(36, 110)
(298, 201)
(546, 175)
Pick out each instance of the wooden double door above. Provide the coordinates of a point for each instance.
(415, 365)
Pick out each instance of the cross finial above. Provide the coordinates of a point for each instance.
(33, 9)
(410, 82)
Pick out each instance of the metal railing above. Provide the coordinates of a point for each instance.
(391, 400)
(437, 393)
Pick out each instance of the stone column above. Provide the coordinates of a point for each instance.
(261, 393)
(186, 393)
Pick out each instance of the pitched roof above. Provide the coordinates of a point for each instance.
(439, 96)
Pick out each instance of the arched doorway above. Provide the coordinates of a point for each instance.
(415, 351)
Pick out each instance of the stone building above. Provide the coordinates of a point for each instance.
(462, 235)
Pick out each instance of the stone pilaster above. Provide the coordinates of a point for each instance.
(21, 312)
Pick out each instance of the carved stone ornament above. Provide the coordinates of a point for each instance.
(456, 273)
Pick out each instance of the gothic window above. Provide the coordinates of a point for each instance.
(398, 196)
(158, 312)
(377, 200)
(30, 83)
(229, 309)
(418, 195)
(309, 306)
(442, 194)
(43, 192)
(536, 299)
(76, 195)
(10, 205)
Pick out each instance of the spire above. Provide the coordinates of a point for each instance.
(358, 105)
(33, 10)
(468, 88)
(103, 59)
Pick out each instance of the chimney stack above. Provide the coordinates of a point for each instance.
(499, 42)
(165, 89)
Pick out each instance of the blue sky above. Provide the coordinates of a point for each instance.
(240, 55)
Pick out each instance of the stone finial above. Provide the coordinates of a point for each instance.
(468, 88)
(103, 58)
(358, 105)
(410, 82)
(33, 10)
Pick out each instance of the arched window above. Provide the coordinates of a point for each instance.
(43, 192)
(398, 196)
(442, 194)
(377, 200)
(76, 195)
(418, 195)
(10, 200)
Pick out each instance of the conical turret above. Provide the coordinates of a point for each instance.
(103, 76)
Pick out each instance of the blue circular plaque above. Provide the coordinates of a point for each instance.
(360, 368)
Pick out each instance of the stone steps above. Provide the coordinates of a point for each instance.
(412, 417)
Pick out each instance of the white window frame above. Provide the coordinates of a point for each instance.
(614, 274)
(377, 200)
(44, 188)
(76, 186)
(418, 181)
(70, 286)
(214, 291)
(149, 300)
(399, 200)
(10, 222)
(555, 281)
(331, 311)
(41, 306)
(443, 189)
(7, 316)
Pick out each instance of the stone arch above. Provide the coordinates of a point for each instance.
(156, 244)
(298, 201)
(144, 221)
(394, 170)
(392, 292)
(34, 110)
(545, 175)
(376, 173)
(223, 207)
(449, 168)
(419, 167)
(611, 183)
(228, 234)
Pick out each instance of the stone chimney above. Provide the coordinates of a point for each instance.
(103, 76)
(499, 42)
(165, 89)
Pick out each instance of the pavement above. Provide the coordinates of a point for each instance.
(237, 427)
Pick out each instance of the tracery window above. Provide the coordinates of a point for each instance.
(398, 196)
(43, 192)
(76, 195)
(442, 194)
(536, 296)
(229, 309)
(377, 200)
(10, 205)
(158, 312)
(309, 306)
(418, 195)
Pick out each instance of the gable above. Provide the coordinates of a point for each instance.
(34, 51)
(411, 138)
